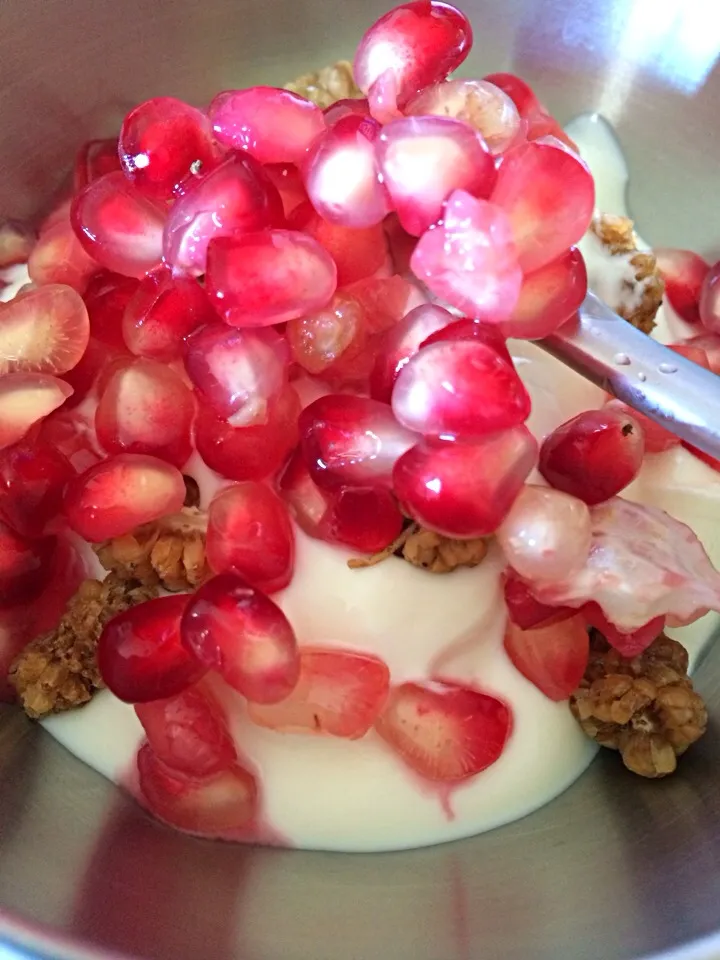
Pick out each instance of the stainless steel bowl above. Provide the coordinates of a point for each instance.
(614, 868)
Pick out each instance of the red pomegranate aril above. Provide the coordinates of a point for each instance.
(444, 731)
(423, 159)
(260, 279)
(710, 300)
(382, 98)
(45, 330)
(552, 657)
(466, 329)
(469, 259)
(106, 297)
(120, 228)
(72, 432)
(188, 732)
(274, 126)
(94, 159)
(308, 504)
(145, 407)
(289, 184)
(25, 566)
(33, 476)
(59, 257)
(657, 439)
(163, 142)
(366, 520)
(317, 340)
(351, 441)
(548, 297)
(249, 533)
(16, 243)
(235, 197)
(683, 272)
(709, 343)
(400, 244)
(119, 494)
(235, 629)
(339, 693)
(347, 107)
(417, 44)
(208, 807)
(539, 122)
(98, 358)
(386, 300)
(630, 643)
(459, 388)
(465, 490)
(524, 610)
(251, 452)
(26, 398)
(549, 196)
(594, 455)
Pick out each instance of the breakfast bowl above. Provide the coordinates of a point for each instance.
(614, 865)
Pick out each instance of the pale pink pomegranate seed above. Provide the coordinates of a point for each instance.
(25, 398)
(59, 257)
(259, 279)
(164, 144)
(656, 438)
(319, 339)
(16, 243)
(94, 159)
(423, 159)
(235, 197)
(233, 628)
(188, 732)
(593, 456)
(32, 481)
(289, 183)
(383, 98)
(629, 643)
(539, 123)
(251, 452)
(272, 125)
(119, 494)
(212, 806)
(140, 655)
(120, 228)
(401, 342)
(466, 329)
(417, 43)
(342, 175)
(444, 731)
(470, 258)
(346, 108)
(45, 330)
(546, 534)
(710, 300)
(352, 441)
(238, 372)
(25, 566)
(58, 213)
(339, 693)
(145, 407)
(482, 105)
(249, 533)
(460, 388)
(710, 344)
(549, 195)
(465, 490)
(548, 297)
(683, 272)
(524, 610)
(553, 657)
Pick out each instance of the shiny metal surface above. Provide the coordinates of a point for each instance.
(615, 868)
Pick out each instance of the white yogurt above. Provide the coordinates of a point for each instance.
(330, 794)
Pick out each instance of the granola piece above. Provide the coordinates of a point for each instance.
(58, 670)
(645, 707)
(326, 86)
(429, 550)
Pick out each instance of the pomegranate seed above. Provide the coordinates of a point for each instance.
(469, 259)
(341, 174)
(549, 195)
(119, 494)
(119, 227)
(72, 432)
(208, 807)
(308, 504)
(548, 297)
(106, 297)
(98, 358)
(233, 628)
(524, 610)
(252, 452)
(357, 253)
(538, 121)
(355, 107)
(465, 490)
(709, 343)
(45, 330)
(58, 213)
(657, 438)
(400, 244)
(444, 731)
(423, 159)
(235, 197)
(94, 159)
(249, 533)
(339, 693)
(683, 273)
(482, 105)
(487, 333)
(274, 126)
(58, 257)
(238, 372)
(593, 456)
(146, 408)
(259, 279)
(462, 388)
(417, 44)
(386, 300)
(351, 441)
(25, 566)
(319, 339)
(26, 398)
(16, 243)
(163, 311)
(140, 655)
(32, 482)
(403, 341)
(188, 733)
(289, 184)
(710, 300)
(383, 98)
(628, 643)
(553, 657)
(162, 142)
